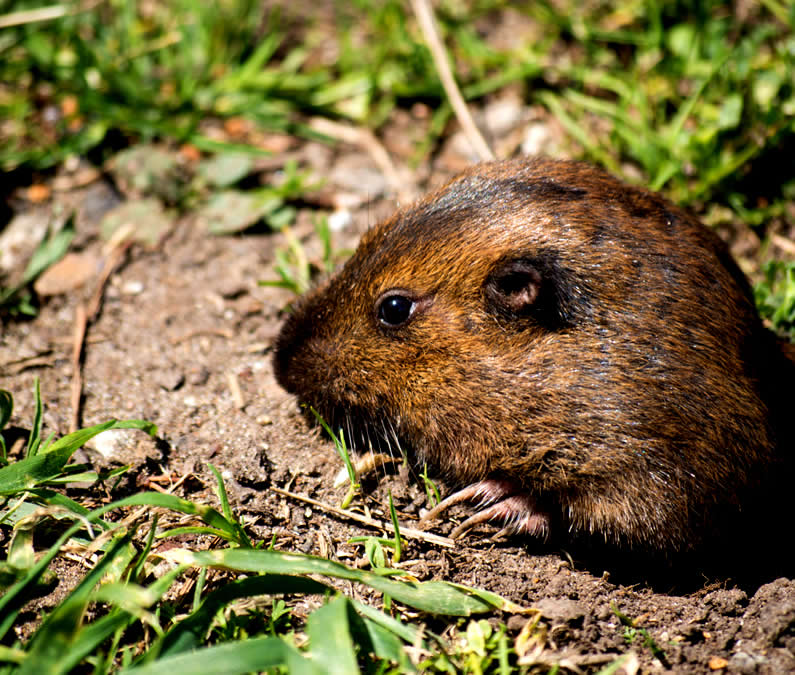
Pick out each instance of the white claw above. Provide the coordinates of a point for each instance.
(518, 510)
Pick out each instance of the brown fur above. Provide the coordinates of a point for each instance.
(626, 385)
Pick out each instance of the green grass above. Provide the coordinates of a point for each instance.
(689, 94)
(128, 71)
(633, 633)
(692, 98)
(775, 296)
(342, 450)
(126, 614)
(293, 267)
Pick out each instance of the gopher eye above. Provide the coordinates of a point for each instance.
(394, 309)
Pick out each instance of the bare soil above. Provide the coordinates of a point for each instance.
(184, 323)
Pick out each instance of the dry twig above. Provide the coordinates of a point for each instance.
(85, 315)
(16, 366)
(407, 532)
(399, 180)
(40, 14)
(424, 13)
(234, 389)
(215, 332)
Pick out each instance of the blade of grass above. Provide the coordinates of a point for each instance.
(190, 632)
(432, 597)
(55, 635)
(14, 596)
(242, 538)
(396, 525)
(577, 131)
(406, 632)
(35, 429)
(95, 633)
(387, 632)
(78, 438)
(252, 655)
(50, 462)
(44, 656)
(6, 407)
(50, 251)
(330, 642)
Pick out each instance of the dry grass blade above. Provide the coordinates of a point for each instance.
(400, 180)
(44, 14)
(424, 14)
(408, 533)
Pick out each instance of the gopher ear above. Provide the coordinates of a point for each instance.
(538, 288)
(513, 287)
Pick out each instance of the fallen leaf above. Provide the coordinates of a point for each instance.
(233, 211)
(68, 274)
(717, 663)
(148, 220)
(226, 169)
(38, 193)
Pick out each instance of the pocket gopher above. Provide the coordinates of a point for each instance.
(571, 349)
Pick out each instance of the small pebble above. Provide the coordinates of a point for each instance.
(171, 379)
(743, 662)
(339, 220)
(198, 376)
(562, 610)
(132, 287)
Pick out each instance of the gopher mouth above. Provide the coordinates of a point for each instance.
(496, 501)
(362, 432)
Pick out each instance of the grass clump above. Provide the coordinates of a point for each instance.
(690, 94)
(293, 266)
(143, 70)
(693, 96)
(91, 78)
(137, 611)
(775, 296)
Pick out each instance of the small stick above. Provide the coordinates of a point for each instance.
(234, 388)
(19, 365)
(113, 258)
(81, 322)
(216, 332)
(783, 243)
(407, 532)
(424, 14)
(399, 181)
(84, 315)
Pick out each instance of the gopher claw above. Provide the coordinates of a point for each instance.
(503, 503)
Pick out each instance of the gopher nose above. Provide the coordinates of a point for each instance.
(300, 350)
(291, 341)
